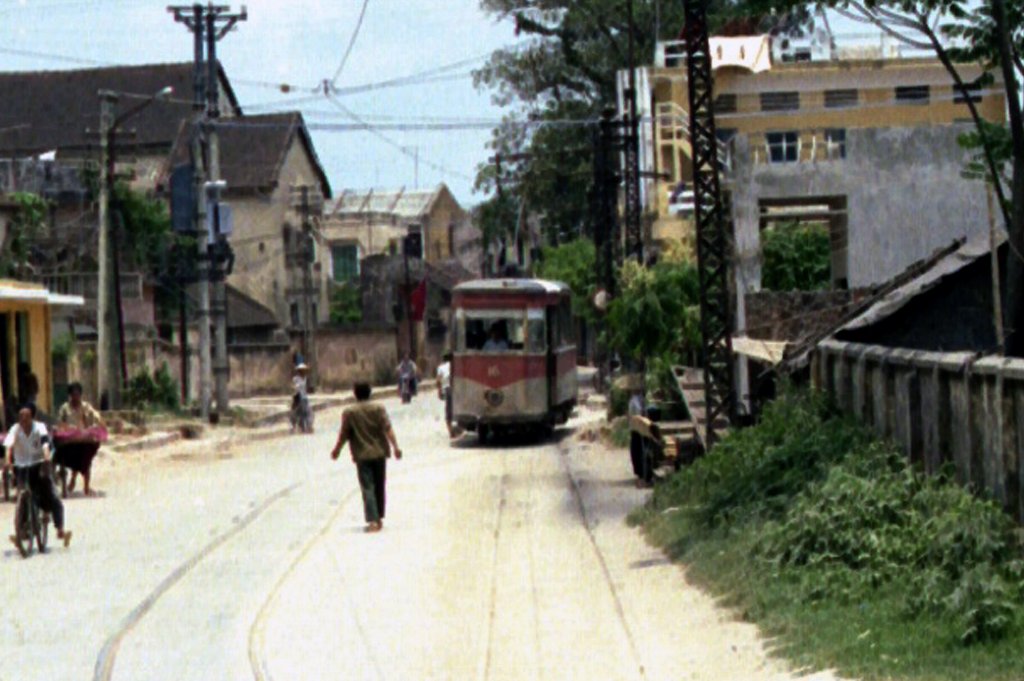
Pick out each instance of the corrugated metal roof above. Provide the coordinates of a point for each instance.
(398, 202)
(511, 286)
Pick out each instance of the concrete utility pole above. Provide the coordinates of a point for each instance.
(308, 290)
(208, 25)
(108, 383)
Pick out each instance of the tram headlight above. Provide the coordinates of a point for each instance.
(494, 397)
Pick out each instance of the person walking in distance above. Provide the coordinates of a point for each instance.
(366, 428)
(444, 390)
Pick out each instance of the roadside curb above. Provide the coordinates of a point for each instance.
(260, 430)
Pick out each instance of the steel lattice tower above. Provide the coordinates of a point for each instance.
(714, 245)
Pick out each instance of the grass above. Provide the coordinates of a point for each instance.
(881, 584)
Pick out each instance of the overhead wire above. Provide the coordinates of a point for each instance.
(351, 42)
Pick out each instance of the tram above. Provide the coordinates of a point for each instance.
(514, 358)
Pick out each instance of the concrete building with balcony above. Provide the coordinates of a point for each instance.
(861, 139)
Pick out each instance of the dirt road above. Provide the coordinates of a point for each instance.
(495, 563)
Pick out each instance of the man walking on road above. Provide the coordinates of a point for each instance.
(367, 430)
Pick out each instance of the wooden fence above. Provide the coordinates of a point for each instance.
(939, 407)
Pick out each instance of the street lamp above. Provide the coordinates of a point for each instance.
(112, 368)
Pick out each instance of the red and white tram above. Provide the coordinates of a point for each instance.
(514, 359)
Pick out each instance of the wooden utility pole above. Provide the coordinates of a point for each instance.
(309, 321)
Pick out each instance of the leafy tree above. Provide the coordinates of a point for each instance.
(991, 33)
(657, 311)
(573, 263)
(795, 257)
(147, 226)
(27, 225)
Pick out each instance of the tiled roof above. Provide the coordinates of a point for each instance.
(45, 110)
(253, 149)
(244, 312)
(398, 202)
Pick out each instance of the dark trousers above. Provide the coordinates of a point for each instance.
(371, 482)
(43, 491)
(641, 456)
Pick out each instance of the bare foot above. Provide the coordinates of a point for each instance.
(66, 536)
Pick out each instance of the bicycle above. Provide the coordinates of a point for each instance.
(31, 523)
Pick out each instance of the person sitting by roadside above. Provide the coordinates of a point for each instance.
(77, 454)
(28, 451)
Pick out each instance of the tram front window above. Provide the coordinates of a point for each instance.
(491, 332)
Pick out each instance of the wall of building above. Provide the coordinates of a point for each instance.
(258, 241)
(350, 355)
(940, 408)
(904, 196)
(874, 80)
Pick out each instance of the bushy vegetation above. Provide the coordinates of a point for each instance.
(832, 541)
(157, 391)
(795, 257)
(656, 312)
(346, 305)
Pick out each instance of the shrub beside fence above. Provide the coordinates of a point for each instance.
(941, 408)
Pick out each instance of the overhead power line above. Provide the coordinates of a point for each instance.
(351, 42)
(392, 143)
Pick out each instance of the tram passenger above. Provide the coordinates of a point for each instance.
(497, 342)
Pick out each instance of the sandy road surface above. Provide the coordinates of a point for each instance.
(510, 563)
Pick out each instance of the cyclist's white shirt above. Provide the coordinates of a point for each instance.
(27, 449)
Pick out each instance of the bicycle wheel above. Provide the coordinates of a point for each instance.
(23, 530)
(41, 529)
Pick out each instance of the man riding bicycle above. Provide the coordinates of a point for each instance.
(28, 450)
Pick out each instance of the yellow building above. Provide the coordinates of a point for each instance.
(25, 344)
(795, 107)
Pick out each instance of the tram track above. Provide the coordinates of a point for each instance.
(256, 647)
(620, 612)
(107, 657)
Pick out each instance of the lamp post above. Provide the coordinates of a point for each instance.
(111, 364)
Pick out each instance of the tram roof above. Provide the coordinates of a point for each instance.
(511, 286)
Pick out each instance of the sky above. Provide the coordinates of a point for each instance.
(301, 43)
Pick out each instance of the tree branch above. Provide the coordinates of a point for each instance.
(986, 146)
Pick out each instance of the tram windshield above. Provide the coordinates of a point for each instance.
(500, 330)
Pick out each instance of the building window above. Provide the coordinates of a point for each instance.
(913, 94)
(839, 99)
(293, 312)
(835, 143)
(973, 89)
(783, 147)
(345, 262)
(451, 240)
(780, 101)
(725, 104)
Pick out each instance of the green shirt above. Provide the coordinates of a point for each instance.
(364, 426)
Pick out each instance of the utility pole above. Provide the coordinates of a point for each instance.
(196, 25)
(714, 241)
(208, 25)
(308, 290)
(410, 325)
(107, 352)
(633, 211)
